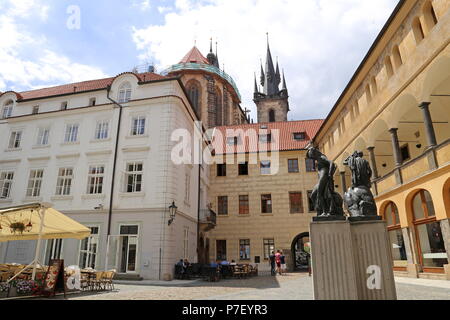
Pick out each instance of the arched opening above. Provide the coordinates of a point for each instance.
(380, 139)
(7, 109)
(219, 108)
(272, 117)
(301, 252)
(124, 92)
(446, 197)
(398, 61)
(429, 16)
(390, 214)
(418, 30)
(429, 240)
(194, 93)
(388, 67)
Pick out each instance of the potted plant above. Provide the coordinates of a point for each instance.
(25, 287)
(4, 287)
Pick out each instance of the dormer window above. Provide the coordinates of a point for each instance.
(299, 136)
(265, 138)
(64, 105)
(125, 92)
(35, 110)
(7, 109)
(92, 102)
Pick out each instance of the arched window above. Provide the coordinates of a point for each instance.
(193, 89)
(398, 61)
(418, 30)
(272, 117)
(430, 242)
(7, 109)
(388, 66)
(219, 109)
(429, 16)
(392, 218)
(124, 92)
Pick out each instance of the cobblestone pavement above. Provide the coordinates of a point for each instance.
(287, 287)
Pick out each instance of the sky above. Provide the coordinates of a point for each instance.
(319, 43)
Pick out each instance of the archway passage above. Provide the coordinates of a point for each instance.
(301, 252)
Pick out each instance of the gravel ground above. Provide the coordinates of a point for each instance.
(288, 287)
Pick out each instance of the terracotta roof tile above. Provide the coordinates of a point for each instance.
(83, 86)
(282, 136)
(194, 56)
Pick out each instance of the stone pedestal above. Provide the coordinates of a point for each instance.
(352, 261)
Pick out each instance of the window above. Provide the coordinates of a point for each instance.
(269, 247)
(244, 205)
(92, 102)
(101, 130)
(388, 66)
(95, 179)
(272, 117)
(265, 138)
(219, 109)
(134, 175)
(221, 170)
(310, 165)
(187, 187)
(43, 135)
(34, 183)
(6, 180)
(244, 249)
(125, 92)
(138, 126)
(310, 202)
(35, 110)
(64, 182)
(395, 235)
(7, 109)
(243, 169)
(53, 250)
(71, 133)
(194, 96)
(293, 166)
(266, 203)
(419, 35)
(222, 205)
(300, 136)
(186, 243)
(88, 249)
(296, 203)
(265, 167)
(430, 241)
(405, 152)
(397, 57)
(14, 140)
(64, 105)
(221, 250)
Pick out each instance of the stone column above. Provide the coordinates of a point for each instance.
(373, 162)
(429, 129)
(396, 147)
(445, 228)
(343, 182)
(412, 268)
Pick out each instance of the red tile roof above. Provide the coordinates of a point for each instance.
(83, 86)
(282, 136)
(194, 56)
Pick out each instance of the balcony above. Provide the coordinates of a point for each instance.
(208, 220)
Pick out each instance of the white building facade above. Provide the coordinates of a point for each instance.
(59, 146)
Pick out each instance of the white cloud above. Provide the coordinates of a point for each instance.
(43, 65)
(143, 5)
(319, 43)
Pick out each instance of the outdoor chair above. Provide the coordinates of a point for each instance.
(108, 277)
(96, 282)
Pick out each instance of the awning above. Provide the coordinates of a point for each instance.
(56, 225)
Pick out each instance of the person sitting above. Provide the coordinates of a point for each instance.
(225, 263)
(214, 264)
(233, 263)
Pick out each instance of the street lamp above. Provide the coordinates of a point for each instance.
(172, 211)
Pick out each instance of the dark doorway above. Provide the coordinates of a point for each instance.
(301, 252)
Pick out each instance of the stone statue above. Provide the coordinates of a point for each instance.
(359, 198)
(327, 202)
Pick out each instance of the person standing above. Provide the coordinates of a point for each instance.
(272, 263)
(278, 261)
(283, 263)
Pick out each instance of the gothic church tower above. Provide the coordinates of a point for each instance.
(272, 104)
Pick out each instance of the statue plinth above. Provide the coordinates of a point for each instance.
(352, 260)
(329, 218)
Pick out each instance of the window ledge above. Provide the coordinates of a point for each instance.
(131, 194)
(267, 214)
(6, 200)
(137, 136)
(100, 140)
(93, 196)
(41, 147)
(61, 198)
(33, 199)
(70, 143)
(244, 215)
(13, 149)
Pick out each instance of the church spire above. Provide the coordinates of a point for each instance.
(263, 76)
(271, 86)
(212, 58)
(256, 86)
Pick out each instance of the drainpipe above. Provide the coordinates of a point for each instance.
(111, 197)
